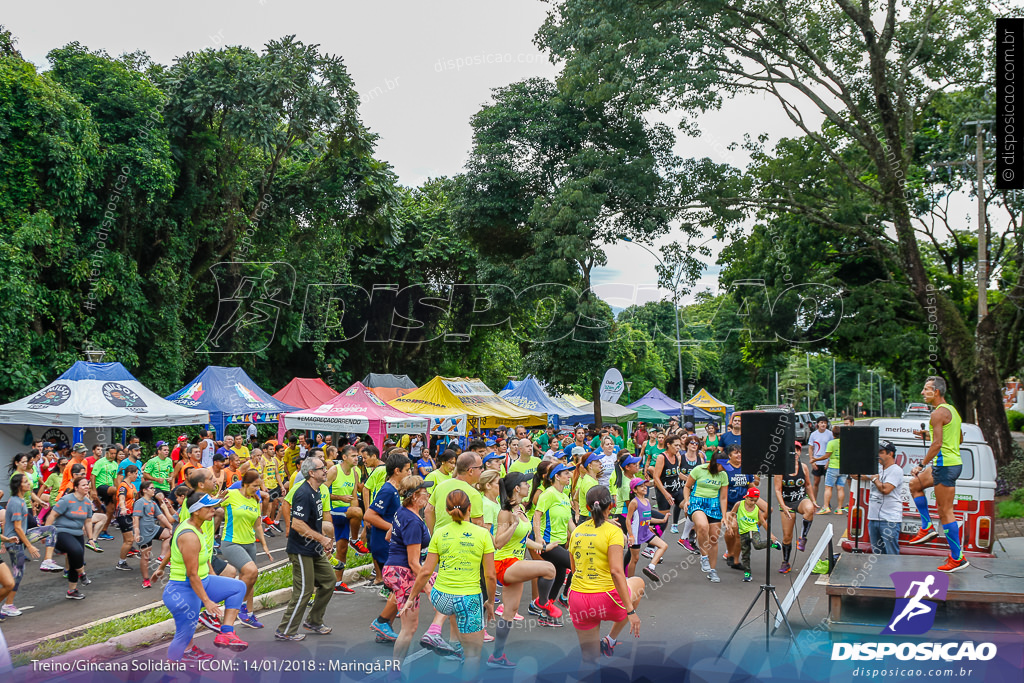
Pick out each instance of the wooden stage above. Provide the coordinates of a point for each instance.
(986, 597)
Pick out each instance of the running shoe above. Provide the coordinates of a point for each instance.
(685, 542)
(456, 655)
(713, 577)
(534, 609)
(318, 629)
(746, 576)
(159, 559)
(371, 586)
(923, 535)
(2, 618)
(249, 619)
(295, 637)
(147, 584)
(607, 649)
(381, 640)
(501, 611)
(547, 620)
(499, 662)
(824, 511)
(74, 595)
(705, 564)
(488, 638)
(840, 511)
(216, 543)
(785, 568)
(231, 641)
(50, 566)
(104, 537)
(209, 621)
(194, 655)
(648, 552)
(342, 587)
(778, 546)
(674, 529)
(84, 580)
(552, 609)
(122, 566)
(133, 553)
(384, 630)
(801, 543)
(268, 532)
(652, 575)
(91, 545)
(563, 599)
(10, 611)
(954, 565)
(385, 592)
(360, 547)
(436, 644)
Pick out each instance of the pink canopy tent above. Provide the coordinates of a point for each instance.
(302, 392)
(357, 410)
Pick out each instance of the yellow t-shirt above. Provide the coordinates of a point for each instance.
(242, 452)
(460, 549)
(439, 497)
(589, 545)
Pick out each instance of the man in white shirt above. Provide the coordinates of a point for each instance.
(817, 441)
(885, 505)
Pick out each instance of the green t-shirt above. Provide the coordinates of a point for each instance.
(585, 483)
(460, 549)
(240, 517)
(708, 485)
(376, 480)
(437, 476)
(651, 454)
(542, 441)
(949, 451)
(557, 510)
(832, 449)
(746, 520)
(621, 492)
(439, 494)
(105, 472)
(491, 510)
(53, 484)
(528, 468)
(162, 468)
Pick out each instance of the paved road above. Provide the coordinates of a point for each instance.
(684, 613)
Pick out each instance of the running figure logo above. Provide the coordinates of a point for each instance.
(250, 297)
(914, 613)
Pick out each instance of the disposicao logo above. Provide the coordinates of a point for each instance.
(914, 614)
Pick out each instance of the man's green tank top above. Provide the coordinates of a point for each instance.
(178, 562)
(949, 453)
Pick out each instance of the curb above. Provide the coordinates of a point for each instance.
(155, 632)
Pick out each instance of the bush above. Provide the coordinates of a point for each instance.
(1010, 477)
(1010, 509)
(1018, 496)
(1016, 420)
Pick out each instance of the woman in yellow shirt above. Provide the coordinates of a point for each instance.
(600, 590)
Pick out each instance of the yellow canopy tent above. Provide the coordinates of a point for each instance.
(575, 399)
(454, 397)
(705, 401)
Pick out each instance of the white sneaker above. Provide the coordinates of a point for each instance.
(713, 577)
(11, 611)
(50, 566)
(648, 552)
(705, 564)
(675, 529)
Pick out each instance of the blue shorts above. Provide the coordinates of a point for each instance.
(833, 478)
(468, 609)
(946, 475)
(341, 526)
(712, 507)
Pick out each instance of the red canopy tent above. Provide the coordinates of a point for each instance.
(303, 392)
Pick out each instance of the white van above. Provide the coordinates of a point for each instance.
(975, 492)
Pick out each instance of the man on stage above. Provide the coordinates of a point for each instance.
(944, 450)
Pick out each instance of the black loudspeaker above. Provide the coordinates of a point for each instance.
(768, 443)
(858, 450)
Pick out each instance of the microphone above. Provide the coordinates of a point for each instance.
(924, 428)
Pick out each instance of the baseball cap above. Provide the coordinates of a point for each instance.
(630, 460)
(636, 481)
(79, 447)
(161, 443)
(490, 442)
(578, 450)
(206, 501)
(887, 446)
(134, 447)
(514, 479)
(182, 438)
(562, 467)
(490, 456)
(688, 425)
(591, 458)
(219, 457)
(753, 492)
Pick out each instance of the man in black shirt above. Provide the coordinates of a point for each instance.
(309, 550)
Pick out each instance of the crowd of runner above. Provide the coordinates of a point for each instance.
(558, 520)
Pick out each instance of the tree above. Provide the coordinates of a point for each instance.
(870, 77)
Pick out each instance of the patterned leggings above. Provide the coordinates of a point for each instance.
(16, 551)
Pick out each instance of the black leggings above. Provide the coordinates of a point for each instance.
(559, 557)
(73, 548)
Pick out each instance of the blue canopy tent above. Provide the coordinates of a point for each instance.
(530, 395)
(231, 397)
(694, 414)
(658, 401)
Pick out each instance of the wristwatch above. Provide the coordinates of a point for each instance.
(631, 612)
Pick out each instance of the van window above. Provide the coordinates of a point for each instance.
(907, 456)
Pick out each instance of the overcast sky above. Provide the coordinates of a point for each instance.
(422, 69)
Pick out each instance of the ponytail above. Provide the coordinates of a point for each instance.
(458, 505)
(599, 501)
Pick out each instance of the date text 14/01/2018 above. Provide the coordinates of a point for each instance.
(309, 665)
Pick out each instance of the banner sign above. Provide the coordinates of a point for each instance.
(612, 386)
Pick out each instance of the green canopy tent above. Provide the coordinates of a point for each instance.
(647, 414)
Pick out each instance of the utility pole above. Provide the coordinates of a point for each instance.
(808, 357)
(834, 386)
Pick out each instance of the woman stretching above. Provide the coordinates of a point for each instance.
(457, 551)
(552, 524)
(705, 496)
(667, 481)
(242, 528)
(408, 536)
(691, 458)
(511, 536)
(15, 526)
(601, 591)
(639, 530)
(72, 517)
(192, 585)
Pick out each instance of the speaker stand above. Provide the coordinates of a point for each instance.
(768, 590)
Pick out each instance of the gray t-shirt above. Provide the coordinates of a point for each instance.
(147, 511)
(16, 512)
(888, 507)
(818, 441)
(72, 514)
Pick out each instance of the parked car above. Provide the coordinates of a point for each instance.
(917, 411)
(975, 490)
